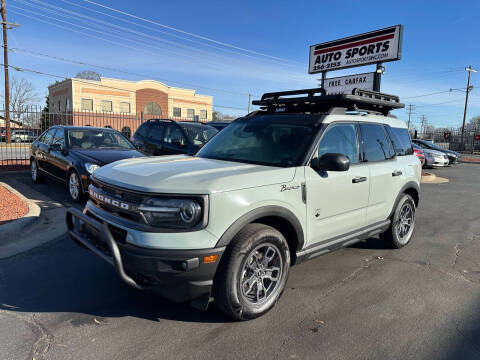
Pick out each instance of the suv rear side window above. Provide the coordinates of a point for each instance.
(376, 145)
(173, 135)
(404, 137)
(397, 144)
(340, 138)
(142, 130)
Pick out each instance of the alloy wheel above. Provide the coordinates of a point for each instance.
(405, 223)
(74, 185)
(261, 273)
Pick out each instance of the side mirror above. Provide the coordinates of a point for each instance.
(331, 162)
(55, 147)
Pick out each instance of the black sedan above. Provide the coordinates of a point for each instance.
(453, 156)
(72, 153)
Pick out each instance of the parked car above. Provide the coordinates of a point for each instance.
(453, 156)
(219, 125)
(429, 159)
(273, 189)
(72, 153)
(18, 136)
(420, 154)
(168, 137)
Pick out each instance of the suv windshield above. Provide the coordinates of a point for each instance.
(97, 139)
(199, 134)
(271, 140)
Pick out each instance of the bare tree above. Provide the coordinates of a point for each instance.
(22, 94)
(88, 75)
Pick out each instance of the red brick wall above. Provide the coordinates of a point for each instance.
(144, 96)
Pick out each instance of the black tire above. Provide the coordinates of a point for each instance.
(77, 195)
(393, 236)
(248, 245)
(37, 177)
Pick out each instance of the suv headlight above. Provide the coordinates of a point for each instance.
(91, 167)
(171, 213)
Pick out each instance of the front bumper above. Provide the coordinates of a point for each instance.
(179, 275)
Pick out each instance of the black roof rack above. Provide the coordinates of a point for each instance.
(358, 100)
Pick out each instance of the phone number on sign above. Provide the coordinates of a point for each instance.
(326, 66)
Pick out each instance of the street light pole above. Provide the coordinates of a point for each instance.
(470, 70)
(5, 63)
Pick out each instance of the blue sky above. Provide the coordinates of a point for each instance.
(440, 39)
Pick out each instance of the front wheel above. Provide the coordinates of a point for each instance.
(35, 172)
(75, 186)
(253, 273)
(401, 228)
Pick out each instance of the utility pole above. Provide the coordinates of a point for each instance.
(470, 70)
(249, 96)
(410, 109)
(5, 65)
(424, 125)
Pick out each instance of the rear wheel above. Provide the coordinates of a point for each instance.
(75, 186)
(401, 228)
(253, 273)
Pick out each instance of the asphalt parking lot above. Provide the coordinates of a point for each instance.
(363, 302)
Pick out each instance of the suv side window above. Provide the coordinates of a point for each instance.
(174, 136)
(156, 131)
(376, 145)
(47, 138)
(340, 138)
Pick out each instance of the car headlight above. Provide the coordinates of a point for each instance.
(171, 213)
(91, 167)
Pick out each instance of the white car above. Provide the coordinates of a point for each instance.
(440, 158)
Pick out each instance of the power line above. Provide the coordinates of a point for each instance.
(188, 33)
(121, 37)
(91, 82)
(34, 53)
(424, 95)
(86, 19)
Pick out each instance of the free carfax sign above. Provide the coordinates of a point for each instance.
(370, 48)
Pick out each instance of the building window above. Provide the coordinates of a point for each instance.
(107, 105)
(177, 112)
(203, 114)
(126, 131)
(87, 104)
(190, 114)
(67, 103)
(152, 109)
(59, 105)
(125, 107)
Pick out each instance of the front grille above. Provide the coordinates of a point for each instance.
(119, 235)
(119, 193)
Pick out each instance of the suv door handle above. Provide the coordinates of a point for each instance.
(396, 173)
(359, 179)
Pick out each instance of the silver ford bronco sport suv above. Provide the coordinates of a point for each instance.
(307, 174)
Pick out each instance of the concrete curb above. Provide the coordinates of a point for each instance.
(29, 218)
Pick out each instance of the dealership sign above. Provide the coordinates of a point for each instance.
(345, 84)
(369, 48)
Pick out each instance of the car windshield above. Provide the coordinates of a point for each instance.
(431, 145)
(270, 140)
(97, 139)
(199, 134)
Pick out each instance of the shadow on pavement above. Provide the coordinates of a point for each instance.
(61, 277)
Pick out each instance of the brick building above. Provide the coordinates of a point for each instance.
(123, 104)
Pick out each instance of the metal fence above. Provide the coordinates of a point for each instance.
(452, 139)
(26, 125)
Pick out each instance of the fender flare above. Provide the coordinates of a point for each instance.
(255, 214)
(408, 185)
